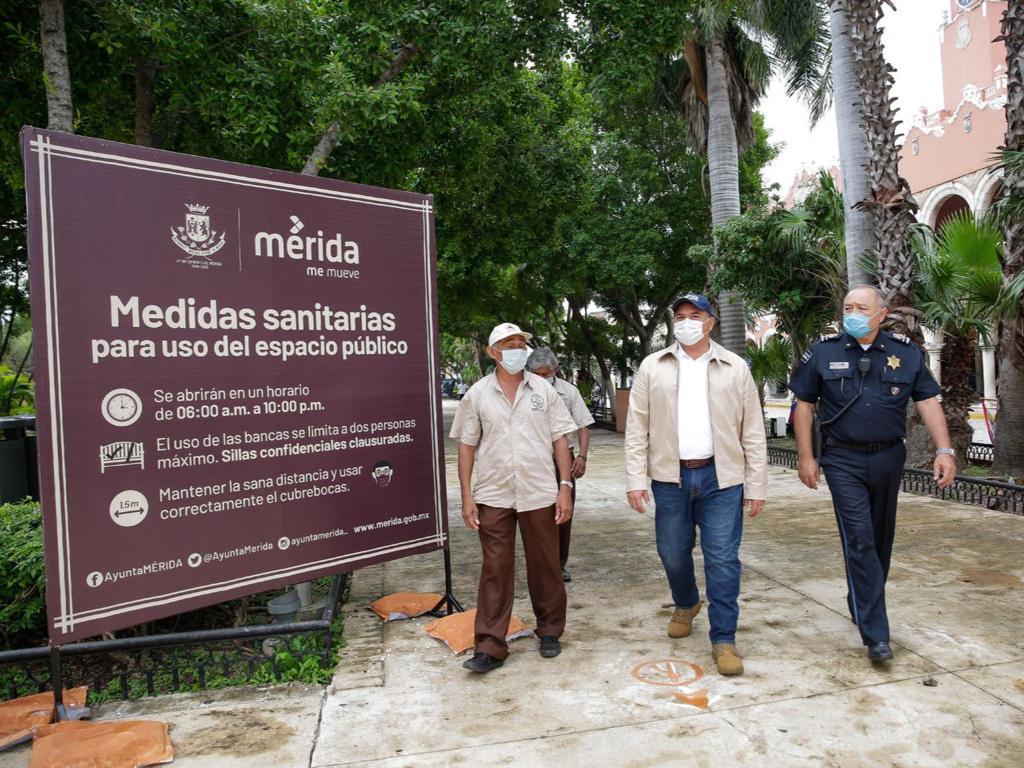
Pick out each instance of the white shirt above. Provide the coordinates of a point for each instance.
(695, 440)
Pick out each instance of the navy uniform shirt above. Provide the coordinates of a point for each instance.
(829, 372)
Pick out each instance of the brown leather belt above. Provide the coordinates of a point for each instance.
(695, 463)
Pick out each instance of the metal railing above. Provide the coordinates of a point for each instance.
(603, 416)
(981, 453)
(976, 491)
(129, 667)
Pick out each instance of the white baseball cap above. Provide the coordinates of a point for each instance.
(504, 330)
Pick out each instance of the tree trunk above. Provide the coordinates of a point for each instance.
(329, 139)
(723, 166)
(1009, 442)
(480, 349)
(853, 151)
(889, 201)
(595, 348)
(145, 104)
(55, 66)
(1009, 437)
(645, 336)
(957, 394)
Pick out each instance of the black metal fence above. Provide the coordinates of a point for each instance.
(976, 491)
(980, 453)
(130, 667)
(604, 417)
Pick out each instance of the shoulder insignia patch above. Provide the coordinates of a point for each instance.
(900, 337)
(806, 356)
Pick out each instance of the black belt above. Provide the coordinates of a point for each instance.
(862, 447)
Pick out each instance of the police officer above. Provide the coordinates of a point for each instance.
(863, 379)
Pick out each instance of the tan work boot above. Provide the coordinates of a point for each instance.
(727, 659)
(682, 621)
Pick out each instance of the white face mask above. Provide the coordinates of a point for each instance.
(514, 360)
(689, 332)
(551, 380)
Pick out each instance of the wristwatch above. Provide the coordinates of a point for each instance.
(565, 482)
(945, 452)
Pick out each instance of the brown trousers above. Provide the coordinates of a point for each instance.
(497, 575)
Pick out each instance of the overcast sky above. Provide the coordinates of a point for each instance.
(911, 39)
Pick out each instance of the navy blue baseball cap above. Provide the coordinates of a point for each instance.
(699, 300)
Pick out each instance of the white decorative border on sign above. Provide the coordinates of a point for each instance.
(68, 617)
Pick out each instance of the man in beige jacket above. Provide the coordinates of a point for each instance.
(695, 427)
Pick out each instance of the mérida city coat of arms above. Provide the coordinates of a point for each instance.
(196, 237)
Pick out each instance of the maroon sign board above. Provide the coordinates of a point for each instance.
(237, 379)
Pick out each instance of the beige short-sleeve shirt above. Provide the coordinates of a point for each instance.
(577, 409)
(513, 441)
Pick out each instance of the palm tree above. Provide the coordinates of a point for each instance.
(1009, 447)
(888, 201)
(815, 231)
(853, 148)
(54, 44)
(962, 295)
(721, 74)
(770, 362)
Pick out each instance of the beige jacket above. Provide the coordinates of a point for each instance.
(737, 423)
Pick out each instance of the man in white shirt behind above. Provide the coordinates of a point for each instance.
(695, 427)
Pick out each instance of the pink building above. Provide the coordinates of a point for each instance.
(806, 182)
(947, 156)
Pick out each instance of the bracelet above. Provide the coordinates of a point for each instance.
(565, 482)
(582, 456)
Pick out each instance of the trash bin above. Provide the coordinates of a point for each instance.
(284, 608)
(13, 477)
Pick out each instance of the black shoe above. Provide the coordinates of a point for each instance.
(481, 662)
(566, 576)
(880, 651)
(549, 646)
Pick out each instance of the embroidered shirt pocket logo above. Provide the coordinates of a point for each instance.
(537, 403)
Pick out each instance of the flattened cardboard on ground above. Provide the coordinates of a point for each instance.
(405, 605)
(456, 631)
(19, 718)
(121, 744)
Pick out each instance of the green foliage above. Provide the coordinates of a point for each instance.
(554, 172)
(959, 283)
(769, 362)
(22, 577)
(17, 393)
(458, 358)
(789, 263)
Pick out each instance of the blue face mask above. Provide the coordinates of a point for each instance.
(857, 325)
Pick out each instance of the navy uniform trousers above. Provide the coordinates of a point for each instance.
(864, 488)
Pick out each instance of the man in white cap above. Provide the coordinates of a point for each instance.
(507, 426)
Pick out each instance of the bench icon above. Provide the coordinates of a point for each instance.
(123, 453)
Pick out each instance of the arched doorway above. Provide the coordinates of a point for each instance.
(994, 193)
(951, 206)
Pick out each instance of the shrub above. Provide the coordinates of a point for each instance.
(22, 574)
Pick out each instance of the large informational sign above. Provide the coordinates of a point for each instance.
(237, 382)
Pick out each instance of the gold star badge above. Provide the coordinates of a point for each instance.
(893, 361)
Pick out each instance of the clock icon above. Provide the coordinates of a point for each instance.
(121, 407)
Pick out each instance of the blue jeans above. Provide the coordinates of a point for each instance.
(680, 509)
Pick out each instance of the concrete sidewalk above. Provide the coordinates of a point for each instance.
(953, 696)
